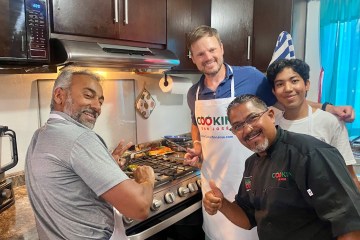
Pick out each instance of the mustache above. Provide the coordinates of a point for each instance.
(251, 134)
(208, 61)
(92, 112)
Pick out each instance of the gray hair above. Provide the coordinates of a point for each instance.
(64, 80)
(256, 101)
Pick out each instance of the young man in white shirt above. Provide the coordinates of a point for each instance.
(290, 82)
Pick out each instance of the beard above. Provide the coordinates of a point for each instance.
(214, 71)
(261, 147)
(77, 115)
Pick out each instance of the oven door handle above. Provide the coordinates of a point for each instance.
(166, 223)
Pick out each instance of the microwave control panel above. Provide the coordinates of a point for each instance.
(37, 29)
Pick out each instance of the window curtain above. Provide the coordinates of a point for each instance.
(340, 55)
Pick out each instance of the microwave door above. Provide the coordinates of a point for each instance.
(13, 31)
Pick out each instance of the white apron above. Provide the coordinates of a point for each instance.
(119, 229)
(224, 162)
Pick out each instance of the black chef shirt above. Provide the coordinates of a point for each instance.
(300, 190)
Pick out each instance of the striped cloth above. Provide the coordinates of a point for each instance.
(284, 48)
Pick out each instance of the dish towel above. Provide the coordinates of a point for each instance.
(145, 104)
(284, 48)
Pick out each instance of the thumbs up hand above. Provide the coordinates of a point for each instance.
(213, 199)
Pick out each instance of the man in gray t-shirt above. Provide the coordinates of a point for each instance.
(73, 181)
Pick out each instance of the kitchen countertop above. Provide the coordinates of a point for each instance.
(18, 222)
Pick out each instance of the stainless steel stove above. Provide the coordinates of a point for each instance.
(177, 192)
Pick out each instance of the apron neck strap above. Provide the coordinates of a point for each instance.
(310, 120)
(232, 83)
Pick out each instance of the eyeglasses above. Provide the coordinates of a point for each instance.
(251, 119)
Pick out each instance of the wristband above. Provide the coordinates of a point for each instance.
(196, 141)
(323, 107)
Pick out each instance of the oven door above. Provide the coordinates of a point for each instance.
(165, 219)
(13, 30)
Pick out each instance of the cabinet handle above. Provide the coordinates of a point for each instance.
(126, 20)
(116, 6)
(248, 47)
(23, 43)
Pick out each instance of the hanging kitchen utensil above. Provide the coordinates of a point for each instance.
(178, 146)
(177, 138)
(145, 103)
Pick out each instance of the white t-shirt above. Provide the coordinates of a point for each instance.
(325, 127)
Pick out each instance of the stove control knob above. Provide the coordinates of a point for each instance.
(5, 194)
(127, 220)
(198, 181)
(183, 191)
(156, 204)
(170, 197)
(193, 187)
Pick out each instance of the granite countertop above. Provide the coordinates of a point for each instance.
(18, 222)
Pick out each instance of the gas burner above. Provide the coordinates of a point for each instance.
(166, 167)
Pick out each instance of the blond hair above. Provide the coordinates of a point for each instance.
(199, 32)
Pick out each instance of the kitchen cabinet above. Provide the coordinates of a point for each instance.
(135, 20)
(232, 18)
(146, 21)
(271, 17)
(182, 17)
(234, 21)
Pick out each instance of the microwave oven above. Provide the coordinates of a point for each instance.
(24, 35)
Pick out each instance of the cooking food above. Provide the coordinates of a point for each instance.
(160, 151)
(132, 167)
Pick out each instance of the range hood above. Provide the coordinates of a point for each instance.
(92, 54)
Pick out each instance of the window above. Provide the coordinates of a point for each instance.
(340, 55)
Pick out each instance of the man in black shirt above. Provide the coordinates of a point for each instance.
(293, 187)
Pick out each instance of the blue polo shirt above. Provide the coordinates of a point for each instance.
(247, 79)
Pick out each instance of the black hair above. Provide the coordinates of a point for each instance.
(297, 65)
(256, 101)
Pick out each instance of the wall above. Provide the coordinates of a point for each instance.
(312, 52)
(19, 108)
(19, 111)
